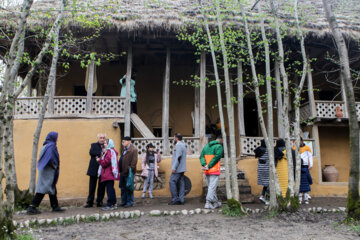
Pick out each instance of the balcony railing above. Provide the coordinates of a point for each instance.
(326, 110)
(192, 144)
(71, 107)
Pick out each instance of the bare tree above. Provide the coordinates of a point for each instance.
(353, 203)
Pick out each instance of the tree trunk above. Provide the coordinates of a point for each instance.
(275, 190)
(281, 133)
(166, 104)
(286, 122)
(49, 89)
(297, 101)
(229, 193)
(230, 109)
(240, 100)
(353, 203)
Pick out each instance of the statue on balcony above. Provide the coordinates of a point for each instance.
(132, 90)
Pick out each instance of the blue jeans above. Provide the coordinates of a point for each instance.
(127, 196)
(177, 195)
(110, 193)
(149, 178)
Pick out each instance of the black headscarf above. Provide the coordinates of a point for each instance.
(259, 151)
(278, 150)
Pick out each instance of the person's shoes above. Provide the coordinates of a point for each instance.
(88, 206)
(267, 203)
(107, 208)
(143, 195)
(121, 204)
(174, 203)
(309, 197)
(217, 205)
(58, 209)
(113, 207)
(300, 201)
(306, 201)
(262, 199)
(208, 205)
(99, 204)
(32, 211)
(150, 195)
(128, 206)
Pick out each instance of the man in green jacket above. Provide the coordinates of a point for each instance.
(210, 160)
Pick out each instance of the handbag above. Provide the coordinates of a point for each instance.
(130, 181)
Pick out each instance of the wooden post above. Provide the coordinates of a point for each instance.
(90, 87)
(281, 132)
(311, 97)
(197, 109)
(29, 90)
(51, 105)
(165, 111)
(240, 100)
(343, 96)
(127, 129)
(202, 127)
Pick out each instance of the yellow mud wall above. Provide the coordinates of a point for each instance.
(249, 165)
(335, 149)
(75, 137)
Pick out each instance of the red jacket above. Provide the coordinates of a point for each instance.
(107, 171)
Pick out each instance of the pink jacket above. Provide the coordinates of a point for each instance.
(107, 171)
(145, 167)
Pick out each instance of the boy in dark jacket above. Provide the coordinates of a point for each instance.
(210, 160)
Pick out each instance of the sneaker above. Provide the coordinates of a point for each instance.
(99, 204)
(306, 201)
(121, 204)
(267, 203)
(262, 199)
(208, 205)
(217, 205)
(128, 206)
(107, 208)
(88, 206)
(32, 211)
(58, 209)
(143, 195)
(300, 202)
(113, 207)
(309, 197)
(150, 195)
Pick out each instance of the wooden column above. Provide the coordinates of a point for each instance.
(51, 105)
(166, 103)
(197, 109)
(202, 127)
(127, 129)
(90, 87)
(343, 96)
(280, 126)
(29, 90)
(240, 100)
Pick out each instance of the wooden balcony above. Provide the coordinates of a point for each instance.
(71, 107)
(325, 110)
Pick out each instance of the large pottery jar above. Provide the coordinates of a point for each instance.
(330, 173)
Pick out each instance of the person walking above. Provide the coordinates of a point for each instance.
(48, 166)
(210, 160)
(95, 152)
(149, 165)
(178, 168)
(128, 159)
(263, 171)
(109, 172)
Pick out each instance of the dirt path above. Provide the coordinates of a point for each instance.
(302, 225)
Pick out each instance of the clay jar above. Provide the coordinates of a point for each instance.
(330, 173)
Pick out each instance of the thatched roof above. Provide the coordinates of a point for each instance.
(170, 15)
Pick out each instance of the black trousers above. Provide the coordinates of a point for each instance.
(100, 191)
(39, 197)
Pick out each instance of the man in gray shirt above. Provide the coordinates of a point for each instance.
(178, 168)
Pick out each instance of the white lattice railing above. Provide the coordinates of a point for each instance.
(192, 144)
(249, 144)
(30, 107)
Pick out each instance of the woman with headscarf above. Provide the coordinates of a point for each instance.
(48, 166)
(263, 171)
(109, 172)
(149, 164)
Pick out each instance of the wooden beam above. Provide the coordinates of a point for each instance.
(280, 127)
(128, 93)
(311, 93)
(165, 110)
(202, 113)
(196, 114)
(90, 87)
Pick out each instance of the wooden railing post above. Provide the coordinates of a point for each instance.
(165, 112)
(202, 124)
(90, 87)
(127, 129)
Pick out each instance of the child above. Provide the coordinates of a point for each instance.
(149, 165)
(305, 183)
(109, 172)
